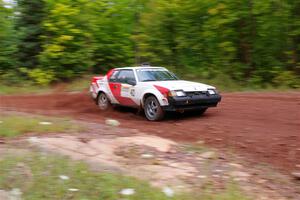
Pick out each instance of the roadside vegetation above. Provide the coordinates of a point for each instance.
(29, 87)
(25, 88)
(82, 84)
(14, 125)
(45, 176)
(228, 43)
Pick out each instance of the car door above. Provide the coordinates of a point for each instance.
(122, 87)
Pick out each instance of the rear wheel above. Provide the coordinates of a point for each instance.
(103, 102)
(153, 110)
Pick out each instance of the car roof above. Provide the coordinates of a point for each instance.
(141, 67)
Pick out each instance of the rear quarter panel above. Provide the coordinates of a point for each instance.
(101, 85)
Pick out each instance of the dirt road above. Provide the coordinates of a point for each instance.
(264, 127)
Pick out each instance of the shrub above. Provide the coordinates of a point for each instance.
(287, 79)
(41, 77)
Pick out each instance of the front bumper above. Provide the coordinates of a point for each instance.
(192, 102)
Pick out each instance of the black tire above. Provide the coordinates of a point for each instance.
(103, 102)
(153, 110)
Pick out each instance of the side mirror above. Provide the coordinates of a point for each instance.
(131, 82)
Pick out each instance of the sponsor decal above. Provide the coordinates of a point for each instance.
(125, 88)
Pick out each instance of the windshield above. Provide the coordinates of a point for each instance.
(155, 75)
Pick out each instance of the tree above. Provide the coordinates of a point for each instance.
(293, 61)
(67, 43)
(7, 38)
(156, 38)
(29, 26)
(249, 42)
(112, 25)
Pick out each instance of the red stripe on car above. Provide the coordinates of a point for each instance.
(115, 89)
(164, 91)
(95, 79)
(108, 75)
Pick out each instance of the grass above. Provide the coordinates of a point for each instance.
(12, 125)
(223, 84)
(27, 87)
(37, 175)
(79, 84)
(23, 89)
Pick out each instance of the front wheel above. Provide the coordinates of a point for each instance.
(103, 102)
(153, 110)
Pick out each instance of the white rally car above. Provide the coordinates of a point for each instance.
(153, 89)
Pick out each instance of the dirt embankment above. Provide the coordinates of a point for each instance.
(264, 127)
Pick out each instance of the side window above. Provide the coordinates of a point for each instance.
(126, 76)
(113, 77)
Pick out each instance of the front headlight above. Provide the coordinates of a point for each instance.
(180, 93)
(212, 91)
(177, 93)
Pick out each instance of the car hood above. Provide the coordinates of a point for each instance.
(187, 86)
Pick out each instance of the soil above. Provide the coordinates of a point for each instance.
(263, 127)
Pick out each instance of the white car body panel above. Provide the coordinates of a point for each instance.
(186, 86)
(136, 93)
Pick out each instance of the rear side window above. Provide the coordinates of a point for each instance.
(113, 77)
(125, 76)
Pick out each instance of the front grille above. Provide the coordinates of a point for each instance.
(195, 93)
(194, 105)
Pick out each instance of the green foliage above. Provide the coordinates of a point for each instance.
(12, 126)
(206, 38)
(67, 49)
(41, 77)
(19, 87)
(18, 77)
(7, 39)
(111, 25)
(287, 79)
(249, 42)
(30, 16)
(10, 77)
